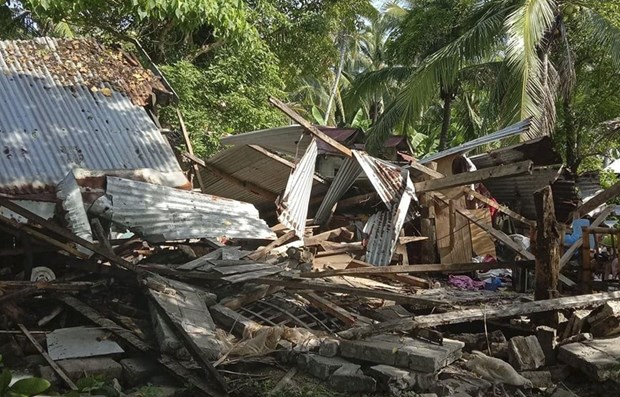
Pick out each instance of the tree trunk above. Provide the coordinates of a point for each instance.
(332, 94)
(571, 136)
(446, 119)
(547, 246)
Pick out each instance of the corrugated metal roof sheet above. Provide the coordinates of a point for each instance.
(250, 164)
(72, 204)
(515, 129)
(386, 178)
(540, 151)
(293, 207)
(161, 213)
(289, 139)
(51, 120)
(517, 192)
(346, 176)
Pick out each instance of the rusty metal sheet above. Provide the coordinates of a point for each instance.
(293, 206)
(346, 176)
(54, 118)
(160, 213)
(386, 178)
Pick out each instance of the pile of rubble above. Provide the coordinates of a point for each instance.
(397, 277)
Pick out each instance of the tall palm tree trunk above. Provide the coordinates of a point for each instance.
(446, 119)
(571, 136)
(332, 94)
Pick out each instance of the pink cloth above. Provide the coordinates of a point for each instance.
(465, 282)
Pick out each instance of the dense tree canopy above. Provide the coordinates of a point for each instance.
(438, 71)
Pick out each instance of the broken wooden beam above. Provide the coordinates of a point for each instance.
(403, 278)
(568, 254)
(469, 315)
(467, 178)
(546, 246)
(596, 201)
(47, 358)
(330, 307)
(285, 238)
(366, 292)
(59, 230)
(310, 128)
(499, 207)
(421, 268)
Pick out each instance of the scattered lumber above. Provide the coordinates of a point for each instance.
(468, 315)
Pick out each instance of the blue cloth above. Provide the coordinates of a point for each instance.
(493, 283)
(570, 239)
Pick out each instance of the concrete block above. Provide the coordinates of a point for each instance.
(547, 337)
(455, 381)
(137, 370)
(329, 347)
(539, 379)
(169, 343)
(322, 367)
(104, 367)
(350, 378)
(525, 353)
(403, 352)
(398, 380)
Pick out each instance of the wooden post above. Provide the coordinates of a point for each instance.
(547, 249)
(586, 266)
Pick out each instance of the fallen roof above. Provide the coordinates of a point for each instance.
(68, 103)
(290, 140)
(539, 150)
(510, 131)
(161, 213)
(250, 165)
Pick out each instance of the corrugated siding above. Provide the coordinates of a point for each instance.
(48, 127)
(162, 213)
(70, 197)
(346, 176)
(515, 129)
(540, 151)
(249, 165)
(517, 192)
(385, 177)
(293, 208)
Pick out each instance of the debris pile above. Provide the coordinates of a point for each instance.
(382, 276)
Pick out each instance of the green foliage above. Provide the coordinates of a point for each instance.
(226, 96)
(22, 388)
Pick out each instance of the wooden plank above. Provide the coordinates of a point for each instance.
(203, 386)
(546, 246)
(500, 208)
(403, 278)
(201, 261)
(238, 278)
(586, 263)
(481, 242)
(330, 307)
(230, 270)
(309, 127)
(467, 178)
(367, 292)
(47, 358)
(250, 294)
(468, 315)
(598, 200)
(190, 148)
(51, 226)
(249, 186)
(497, 234)
(259, 253)
(434, 174)
(421, 268)
(571, 250)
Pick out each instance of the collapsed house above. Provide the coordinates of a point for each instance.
(301, 250)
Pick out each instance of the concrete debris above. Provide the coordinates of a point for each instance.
(525, 353)
(350, 378)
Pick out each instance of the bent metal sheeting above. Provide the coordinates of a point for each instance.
(160, 213)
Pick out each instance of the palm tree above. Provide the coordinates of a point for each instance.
(530, 37)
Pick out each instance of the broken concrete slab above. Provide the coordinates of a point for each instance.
(605, 319)
(351, 379)
(547, 337)
(453, 381)
(319, 366)
(168, 341)
(186, 308)
(525, 353)
(539, 379)
(403, 352)
(398, 380)
(329, 347)
(103, 367)
(137, 370)
(599, 359)
(80, 342)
